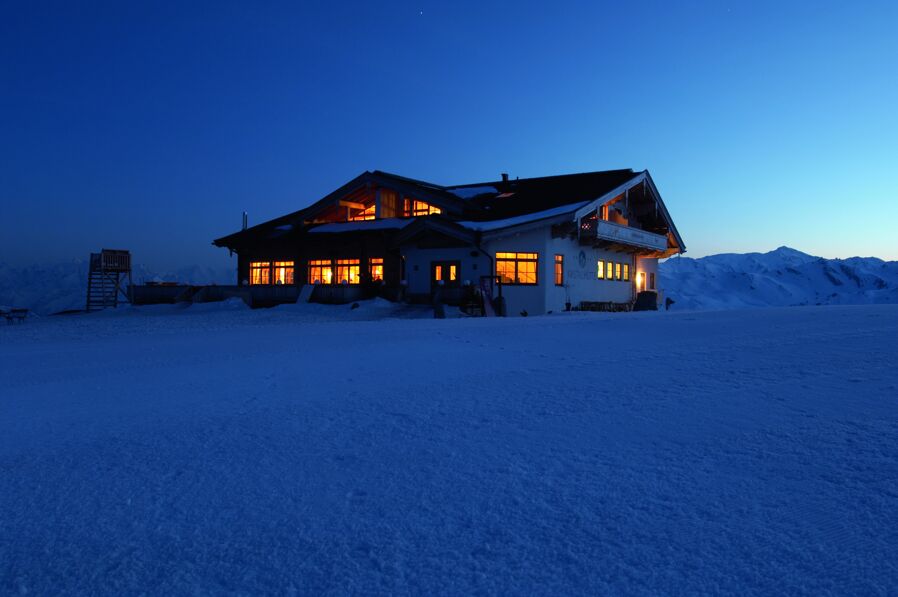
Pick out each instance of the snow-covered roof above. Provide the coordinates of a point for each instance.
(468, 192)
(525, 219)
(383, 224)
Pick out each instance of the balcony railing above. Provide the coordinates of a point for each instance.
(617, 233)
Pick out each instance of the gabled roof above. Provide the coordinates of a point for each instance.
(493, 201)
(506, 199)
(419, 189)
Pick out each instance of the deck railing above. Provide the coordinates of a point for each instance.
(609, 231)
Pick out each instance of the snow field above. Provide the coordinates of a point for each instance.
(229, 451)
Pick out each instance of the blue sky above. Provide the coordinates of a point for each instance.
(153, 127)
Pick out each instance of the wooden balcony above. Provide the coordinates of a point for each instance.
(602, 231)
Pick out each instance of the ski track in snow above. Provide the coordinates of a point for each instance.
(176, 451)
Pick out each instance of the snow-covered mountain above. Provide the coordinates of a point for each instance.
(46, 289)
(783, 277)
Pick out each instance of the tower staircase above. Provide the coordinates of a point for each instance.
(108, 279)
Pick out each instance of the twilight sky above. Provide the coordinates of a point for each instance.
(153, 127)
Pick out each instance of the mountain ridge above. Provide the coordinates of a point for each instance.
(782, 277)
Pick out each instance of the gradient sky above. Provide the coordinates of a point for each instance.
(153, 127)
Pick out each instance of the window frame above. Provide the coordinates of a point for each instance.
(626, 272)
(373, 263)
(263, 268)
(600, 269)
(559, 269)
(415, 208)
(350, 265)
(289, 271)
(517, 260)
(322, 265)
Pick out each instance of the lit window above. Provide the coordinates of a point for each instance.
(627, 272)
(283, 272)
(600, 270)
(376, 268)
(320, 271)
(517, 268)
(415, 208)
(609, 270)
(348, 271)
(363, 215)
(603, 213)
(260, 272)
(617, 271)
(559, 270)
(445, 271)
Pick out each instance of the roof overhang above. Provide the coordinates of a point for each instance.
(645, 177)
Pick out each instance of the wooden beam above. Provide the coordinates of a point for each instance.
(351, 204)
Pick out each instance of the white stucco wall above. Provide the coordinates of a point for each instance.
(525, 298)
(580, 281)
(417, 266)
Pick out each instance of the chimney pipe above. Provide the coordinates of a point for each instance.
(505, 177)
(244, 220)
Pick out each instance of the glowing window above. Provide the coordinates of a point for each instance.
(376, 268)
(320, 271)
(627, 272)
(559, 270)
(617, 271)
(283, 272)
(415, 208)
(260, 272)
(609, 270)
(347, 271)
(600, 269)
(453, 273)
(363, 215)
(517, 268)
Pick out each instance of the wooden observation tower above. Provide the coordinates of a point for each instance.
(108, 279)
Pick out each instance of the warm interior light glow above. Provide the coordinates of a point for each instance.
(517, 268)
(260, 272)
(320, 271)
(348, 271)
(600, 270)
(559, 270)
(640, 281)
(415, 208)
(376, 268)
(363, 215)
(283, 272)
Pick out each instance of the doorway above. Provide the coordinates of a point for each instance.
(446, 272)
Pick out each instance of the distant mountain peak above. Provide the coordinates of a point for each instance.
(784, 250)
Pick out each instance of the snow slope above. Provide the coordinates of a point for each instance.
(62, 286)
(782, 277)
(220, 450)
